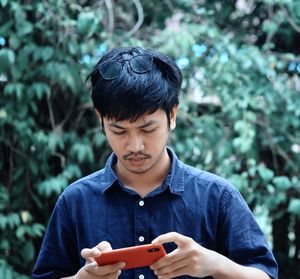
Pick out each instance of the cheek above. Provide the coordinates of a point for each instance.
(160, 139)
(115, 143)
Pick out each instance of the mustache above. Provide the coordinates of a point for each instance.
(135, 155)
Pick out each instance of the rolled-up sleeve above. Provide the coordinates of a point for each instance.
(241, 239)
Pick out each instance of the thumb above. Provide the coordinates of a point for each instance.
(90, 254)
(171, 237)
(104, 246)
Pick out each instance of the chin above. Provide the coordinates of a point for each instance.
(139, 170)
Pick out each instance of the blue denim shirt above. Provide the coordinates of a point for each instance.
(191, 202)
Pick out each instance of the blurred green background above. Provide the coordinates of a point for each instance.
(239, 118)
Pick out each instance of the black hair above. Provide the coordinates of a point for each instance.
(131, 94)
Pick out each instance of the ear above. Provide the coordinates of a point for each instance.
(173, 116)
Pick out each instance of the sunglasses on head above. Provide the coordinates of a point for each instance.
(140, 64)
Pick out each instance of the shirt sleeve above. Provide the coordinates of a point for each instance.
(241, 238)
(58, 256)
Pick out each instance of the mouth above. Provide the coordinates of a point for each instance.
(136, 159)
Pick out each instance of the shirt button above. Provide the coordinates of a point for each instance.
(141, 239)
(141, 203)
(141, 276)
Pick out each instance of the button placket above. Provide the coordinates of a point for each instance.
(141, 222)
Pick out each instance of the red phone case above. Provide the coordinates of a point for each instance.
(135, 256)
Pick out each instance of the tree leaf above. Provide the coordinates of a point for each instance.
(27, 252)
(282, 182)
(294, 206)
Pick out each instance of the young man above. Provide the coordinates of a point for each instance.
(145, 194)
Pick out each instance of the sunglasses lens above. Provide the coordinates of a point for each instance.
(141, 63)
(110, 69)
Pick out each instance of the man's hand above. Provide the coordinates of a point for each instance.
(91, 270)
(188, 259)
(192, 259)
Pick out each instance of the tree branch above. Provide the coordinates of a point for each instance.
(51, 114)
(170, 5)
(140, 21)
(270, 16)
(111, 20)
(289, 19)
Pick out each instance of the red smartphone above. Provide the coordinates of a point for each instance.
(135, 256)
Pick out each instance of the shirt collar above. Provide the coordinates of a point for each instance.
(174, 179)
(108, 177)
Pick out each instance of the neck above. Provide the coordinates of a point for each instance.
(144, 183)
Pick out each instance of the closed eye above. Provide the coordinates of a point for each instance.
(148, 131)
(119, 133)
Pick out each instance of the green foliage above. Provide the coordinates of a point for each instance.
(7, 272)
(239, 115)
(294, 207)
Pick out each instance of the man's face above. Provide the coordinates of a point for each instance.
(140, 146)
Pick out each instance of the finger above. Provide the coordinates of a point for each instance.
(168, 259)
(112, 268)
(87, 269)
(171, 237)
(90, 266)
(172, 267)
(174, 273)
(92, 270)
(89, 254)
(104, 246)
(105, 270)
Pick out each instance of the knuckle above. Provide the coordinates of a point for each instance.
(84, 252)
(194, 260)
(189, 239)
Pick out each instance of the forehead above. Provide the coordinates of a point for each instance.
(154, 117)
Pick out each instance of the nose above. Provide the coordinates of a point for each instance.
(135, 143)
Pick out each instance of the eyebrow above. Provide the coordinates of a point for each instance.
(147, 124)
(114, 125)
